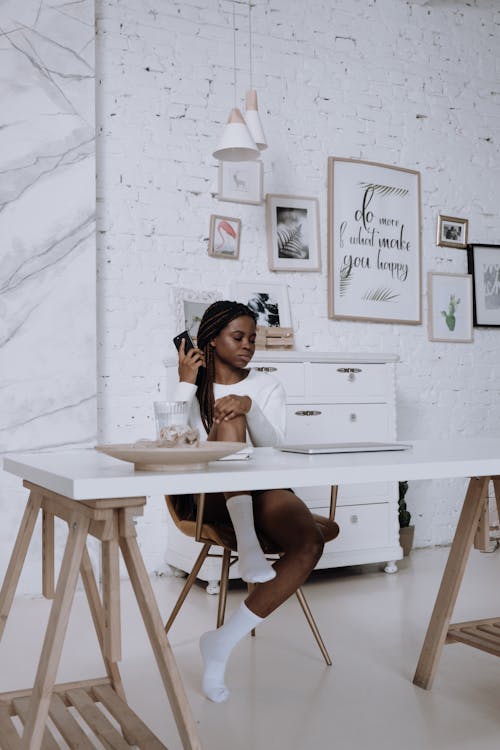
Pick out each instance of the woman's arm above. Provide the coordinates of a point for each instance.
(186, 388)
(266, 424)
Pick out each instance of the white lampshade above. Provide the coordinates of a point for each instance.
(236, 143)
(252, 119)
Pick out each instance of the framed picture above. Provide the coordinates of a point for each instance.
(450, 307)
(241, 181)
(224, 238)
(268, 300)
(190, 306)
(452, 232)
(292, 233)
(374, 257)
(484, 265)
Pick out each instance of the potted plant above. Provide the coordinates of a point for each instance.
(406, 531)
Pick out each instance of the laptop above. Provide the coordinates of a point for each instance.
(313, 449)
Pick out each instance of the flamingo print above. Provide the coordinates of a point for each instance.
(225, 226)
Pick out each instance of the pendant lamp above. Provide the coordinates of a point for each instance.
(252, 116)
(236, 143)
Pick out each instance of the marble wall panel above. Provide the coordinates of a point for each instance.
(47, 237)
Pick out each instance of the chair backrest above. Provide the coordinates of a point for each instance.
(181, 507)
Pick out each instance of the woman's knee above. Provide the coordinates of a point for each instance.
(234, 429)
(310, 547)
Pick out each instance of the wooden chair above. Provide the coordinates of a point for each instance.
(222, 535)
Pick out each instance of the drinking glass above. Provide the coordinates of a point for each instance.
(172, 426)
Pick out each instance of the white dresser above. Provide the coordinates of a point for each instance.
(330, 398)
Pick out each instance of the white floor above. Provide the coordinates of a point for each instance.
(283, 695)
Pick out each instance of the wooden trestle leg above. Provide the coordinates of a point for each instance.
(450, 583)
(154, 626)
(54, 635)
(18, 557)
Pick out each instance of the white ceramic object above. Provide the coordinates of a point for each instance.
(252, 119)
(236, 143)
(153, 458)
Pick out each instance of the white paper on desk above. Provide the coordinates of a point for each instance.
(241, 455)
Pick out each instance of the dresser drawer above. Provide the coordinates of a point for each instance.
(337, 423)
(348, 380)
(352, 494)
(290, 374)
(362, 526)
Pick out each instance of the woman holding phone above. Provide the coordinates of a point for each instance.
(231, 402)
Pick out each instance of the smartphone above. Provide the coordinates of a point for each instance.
(188, 343)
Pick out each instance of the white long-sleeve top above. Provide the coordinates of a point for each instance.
(266, 419)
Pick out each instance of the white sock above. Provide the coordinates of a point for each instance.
(216, 646)
(252, 563)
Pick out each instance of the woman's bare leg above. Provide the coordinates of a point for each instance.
(287, 521)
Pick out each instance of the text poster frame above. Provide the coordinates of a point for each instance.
(374, 242)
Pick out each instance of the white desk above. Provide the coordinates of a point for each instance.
(110, 493)
(87, 475)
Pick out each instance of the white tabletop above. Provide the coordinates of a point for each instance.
(88, 475)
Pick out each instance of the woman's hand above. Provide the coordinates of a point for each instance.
(229, 407)
(189, 363)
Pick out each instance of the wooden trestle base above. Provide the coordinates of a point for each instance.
(91, 710)
(482, 634)
(92, 705)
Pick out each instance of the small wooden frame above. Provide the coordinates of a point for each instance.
(452, 232)
(224, 237)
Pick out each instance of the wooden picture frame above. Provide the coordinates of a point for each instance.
(293, 241)
(374, 242)
(268, 300)
(241, 182)
(452, 232)
(484, 265)
(190, 305)
(450, 307)
(224, 237)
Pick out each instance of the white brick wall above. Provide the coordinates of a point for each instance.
(408, 83)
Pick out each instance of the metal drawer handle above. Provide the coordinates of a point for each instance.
(308, 413)
(349, 369)
(265, 369)
(353, 519)
(353, 417)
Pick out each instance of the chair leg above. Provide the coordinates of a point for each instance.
(187, 586)
(312, 624)
(224, 580)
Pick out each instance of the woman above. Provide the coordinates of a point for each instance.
(231, 402)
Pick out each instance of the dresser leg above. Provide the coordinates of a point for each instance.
(391, 567)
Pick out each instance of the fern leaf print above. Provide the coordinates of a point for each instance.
(384, 190)
(380, 295)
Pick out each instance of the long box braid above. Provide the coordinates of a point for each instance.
(215, 318)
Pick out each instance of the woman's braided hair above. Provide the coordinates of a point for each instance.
(215, 318)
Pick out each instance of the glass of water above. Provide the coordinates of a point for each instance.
(172, 427)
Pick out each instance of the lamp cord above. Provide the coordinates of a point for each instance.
(234, 55)
(250, 40)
